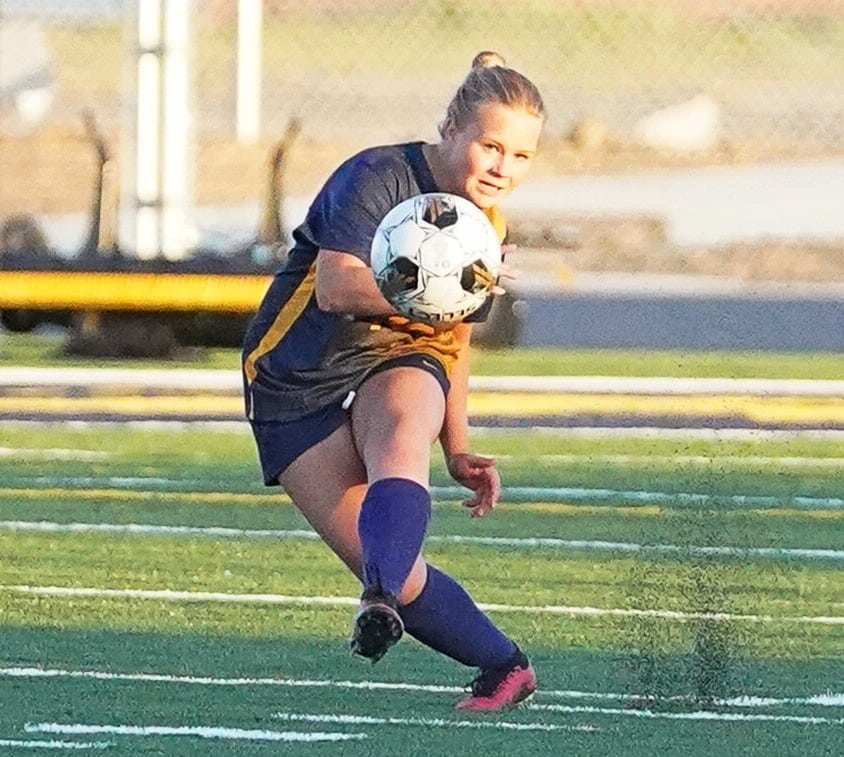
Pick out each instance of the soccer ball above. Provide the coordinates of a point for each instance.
(436, 257)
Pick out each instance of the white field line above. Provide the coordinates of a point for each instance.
(427, 722)
(509, 493)
(823, 700)
(20, 744)
(232, 381)
(658, 385)
(203, 732)
(697, 715)
(53, 454)
(172, 595)
(98, 675)
(728, 461)
(826, 699)
(567, 494)
(139, 529)
(659, 432)
(579, 432)
(721, 460)
(119, 482)
(153, 530)
(628, 547)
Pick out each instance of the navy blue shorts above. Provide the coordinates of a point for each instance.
(281, 442)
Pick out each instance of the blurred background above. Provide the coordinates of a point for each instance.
(684, 138)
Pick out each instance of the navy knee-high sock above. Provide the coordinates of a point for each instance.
(393, 519)
(446, 618)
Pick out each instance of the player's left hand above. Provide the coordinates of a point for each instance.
(479, 474)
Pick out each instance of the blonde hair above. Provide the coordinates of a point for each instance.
(490, 81)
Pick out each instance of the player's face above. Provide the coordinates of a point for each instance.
(492, 154)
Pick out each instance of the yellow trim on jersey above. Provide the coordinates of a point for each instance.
(291, 310)
(444, 350)
(499, 223)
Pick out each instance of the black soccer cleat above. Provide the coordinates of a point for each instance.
(376, 626)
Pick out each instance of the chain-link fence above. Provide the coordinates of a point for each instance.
(626, 82)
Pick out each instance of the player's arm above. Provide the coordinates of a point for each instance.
(476, 472)
(345, 284)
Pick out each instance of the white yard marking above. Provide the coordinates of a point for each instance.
(117, 482)
(573, 494)
(584, 432)
(428, 722)
(708, 461)
(659, 432)
(171, 595)
(829, 699)
(202, 732)
(145, 529)
(30, 672)
(696, 715)
(826, 699)
(20, 744)
(568, 495)
(726, 460)
(53, 454)
(140, 529)
(231, 381)
(629, 547)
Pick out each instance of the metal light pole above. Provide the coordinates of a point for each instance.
(249, 23)
(163, 148)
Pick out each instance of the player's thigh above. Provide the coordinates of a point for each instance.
(396, 416)
(327, 483)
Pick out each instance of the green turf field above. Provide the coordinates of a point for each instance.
(677, 595)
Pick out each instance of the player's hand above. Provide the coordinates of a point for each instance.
(506, 271)
(416, 328)
(479, 474)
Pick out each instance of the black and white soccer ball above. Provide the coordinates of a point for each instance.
(436, 257)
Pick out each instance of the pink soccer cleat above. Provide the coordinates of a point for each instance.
(498, 688)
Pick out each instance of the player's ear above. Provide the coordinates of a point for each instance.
(448, 129)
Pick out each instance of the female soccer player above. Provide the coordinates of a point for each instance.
(346, 397)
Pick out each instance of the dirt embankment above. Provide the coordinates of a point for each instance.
(54, 171)
(638, 244)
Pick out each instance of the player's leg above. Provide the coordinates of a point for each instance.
(447, 619)
(397, 415)
(394, 441)
(327, 484)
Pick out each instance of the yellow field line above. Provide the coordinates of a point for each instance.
(773, 409)
(228, 498)
(280, 498)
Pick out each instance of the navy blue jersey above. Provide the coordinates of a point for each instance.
(298, 358)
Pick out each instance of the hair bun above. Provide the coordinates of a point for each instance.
(487, 59)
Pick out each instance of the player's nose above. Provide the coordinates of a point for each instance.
(501, 166)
